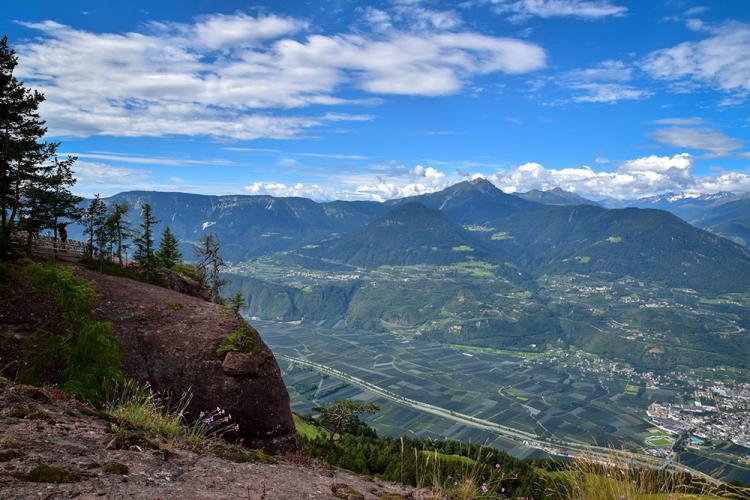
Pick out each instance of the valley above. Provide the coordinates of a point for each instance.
(526, 403)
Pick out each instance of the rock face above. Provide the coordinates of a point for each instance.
(170, 340)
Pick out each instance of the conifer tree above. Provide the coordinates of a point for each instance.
(94, 219)
(144, 242)
(119, 230)
(236, 302)
(168, 254)
(33, 191)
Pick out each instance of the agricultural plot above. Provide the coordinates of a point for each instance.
(494, 386)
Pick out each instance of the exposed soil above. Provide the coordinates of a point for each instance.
(47, 436)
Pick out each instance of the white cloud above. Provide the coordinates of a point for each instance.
(586, 9)
(680, 122)
(696, 138)
(695, 24)
(721, 61)
(608, 82)
(220, 31)
(228, 75)
(105, 179)
(632, 179)
(607, 92)
(429, 173)
(146, 160)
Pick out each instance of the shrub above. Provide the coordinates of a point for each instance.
(240, 340)
(94, 359)
(74, 296)
(88, 354)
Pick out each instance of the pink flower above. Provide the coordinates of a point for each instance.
(485, 488)
(497, 466)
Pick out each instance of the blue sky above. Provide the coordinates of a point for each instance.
(373, 100)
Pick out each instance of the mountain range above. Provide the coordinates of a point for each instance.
(471, 264)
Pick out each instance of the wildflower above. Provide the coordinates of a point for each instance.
(497, 466)
(201, 414)
(485, 488)
(236, 427)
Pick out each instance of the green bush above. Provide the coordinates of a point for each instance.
(74, 296)
(94, 359)
(88, 353)
(240, 340)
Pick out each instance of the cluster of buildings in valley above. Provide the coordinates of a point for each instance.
(717, 413)
(712, 411)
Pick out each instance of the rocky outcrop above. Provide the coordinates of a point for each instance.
(170, 340)
(181, 284)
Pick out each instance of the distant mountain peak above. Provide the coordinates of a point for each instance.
(555, 196)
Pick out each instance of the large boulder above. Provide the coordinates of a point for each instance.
(170, 340)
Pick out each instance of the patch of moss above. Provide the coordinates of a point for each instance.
(240, 455)
(343, 490)
(115, 468)
(125, 440)
(28, 412)
(8, 455)
(8, 442)
(240, 340)
(175, 306)
(44, 473)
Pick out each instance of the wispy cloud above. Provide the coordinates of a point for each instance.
(229, 76)
(719, 61)
(147, 160)
(331, 156)
(607, 82)
(520, 10)
(696, 138)
(680, 122)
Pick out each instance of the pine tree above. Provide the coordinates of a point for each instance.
(210, 264)
(32, 193)
(144, 242)
(94, 219)
(119, 230)
(236, 302)
(168, 254)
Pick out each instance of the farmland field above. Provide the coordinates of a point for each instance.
(539, 395)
